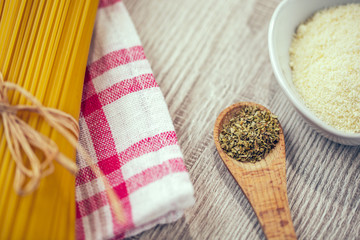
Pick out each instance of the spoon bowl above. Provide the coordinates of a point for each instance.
(263, 182)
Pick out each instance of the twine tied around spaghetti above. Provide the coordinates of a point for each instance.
(22, 140)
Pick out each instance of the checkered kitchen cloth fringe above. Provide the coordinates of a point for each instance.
(126, 128)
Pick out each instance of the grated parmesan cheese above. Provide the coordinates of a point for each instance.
(325, 63)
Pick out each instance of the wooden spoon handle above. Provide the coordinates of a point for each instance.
(266, 190)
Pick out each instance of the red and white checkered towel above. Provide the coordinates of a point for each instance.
(126, 128)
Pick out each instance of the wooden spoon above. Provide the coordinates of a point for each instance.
(263, 182)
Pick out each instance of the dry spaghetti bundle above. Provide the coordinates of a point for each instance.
(43, 49)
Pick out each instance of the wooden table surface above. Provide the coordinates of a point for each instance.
(207, 55)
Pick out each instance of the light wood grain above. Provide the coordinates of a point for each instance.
(207, 55)
(263, 182)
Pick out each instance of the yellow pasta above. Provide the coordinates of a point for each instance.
(43, 48)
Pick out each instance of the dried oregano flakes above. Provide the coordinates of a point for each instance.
(250, 134)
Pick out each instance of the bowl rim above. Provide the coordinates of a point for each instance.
(299, 106)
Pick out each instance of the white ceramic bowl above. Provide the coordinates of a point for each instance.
(287, 16)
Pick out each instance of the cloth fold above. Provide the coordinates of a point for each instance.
(126, 128)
